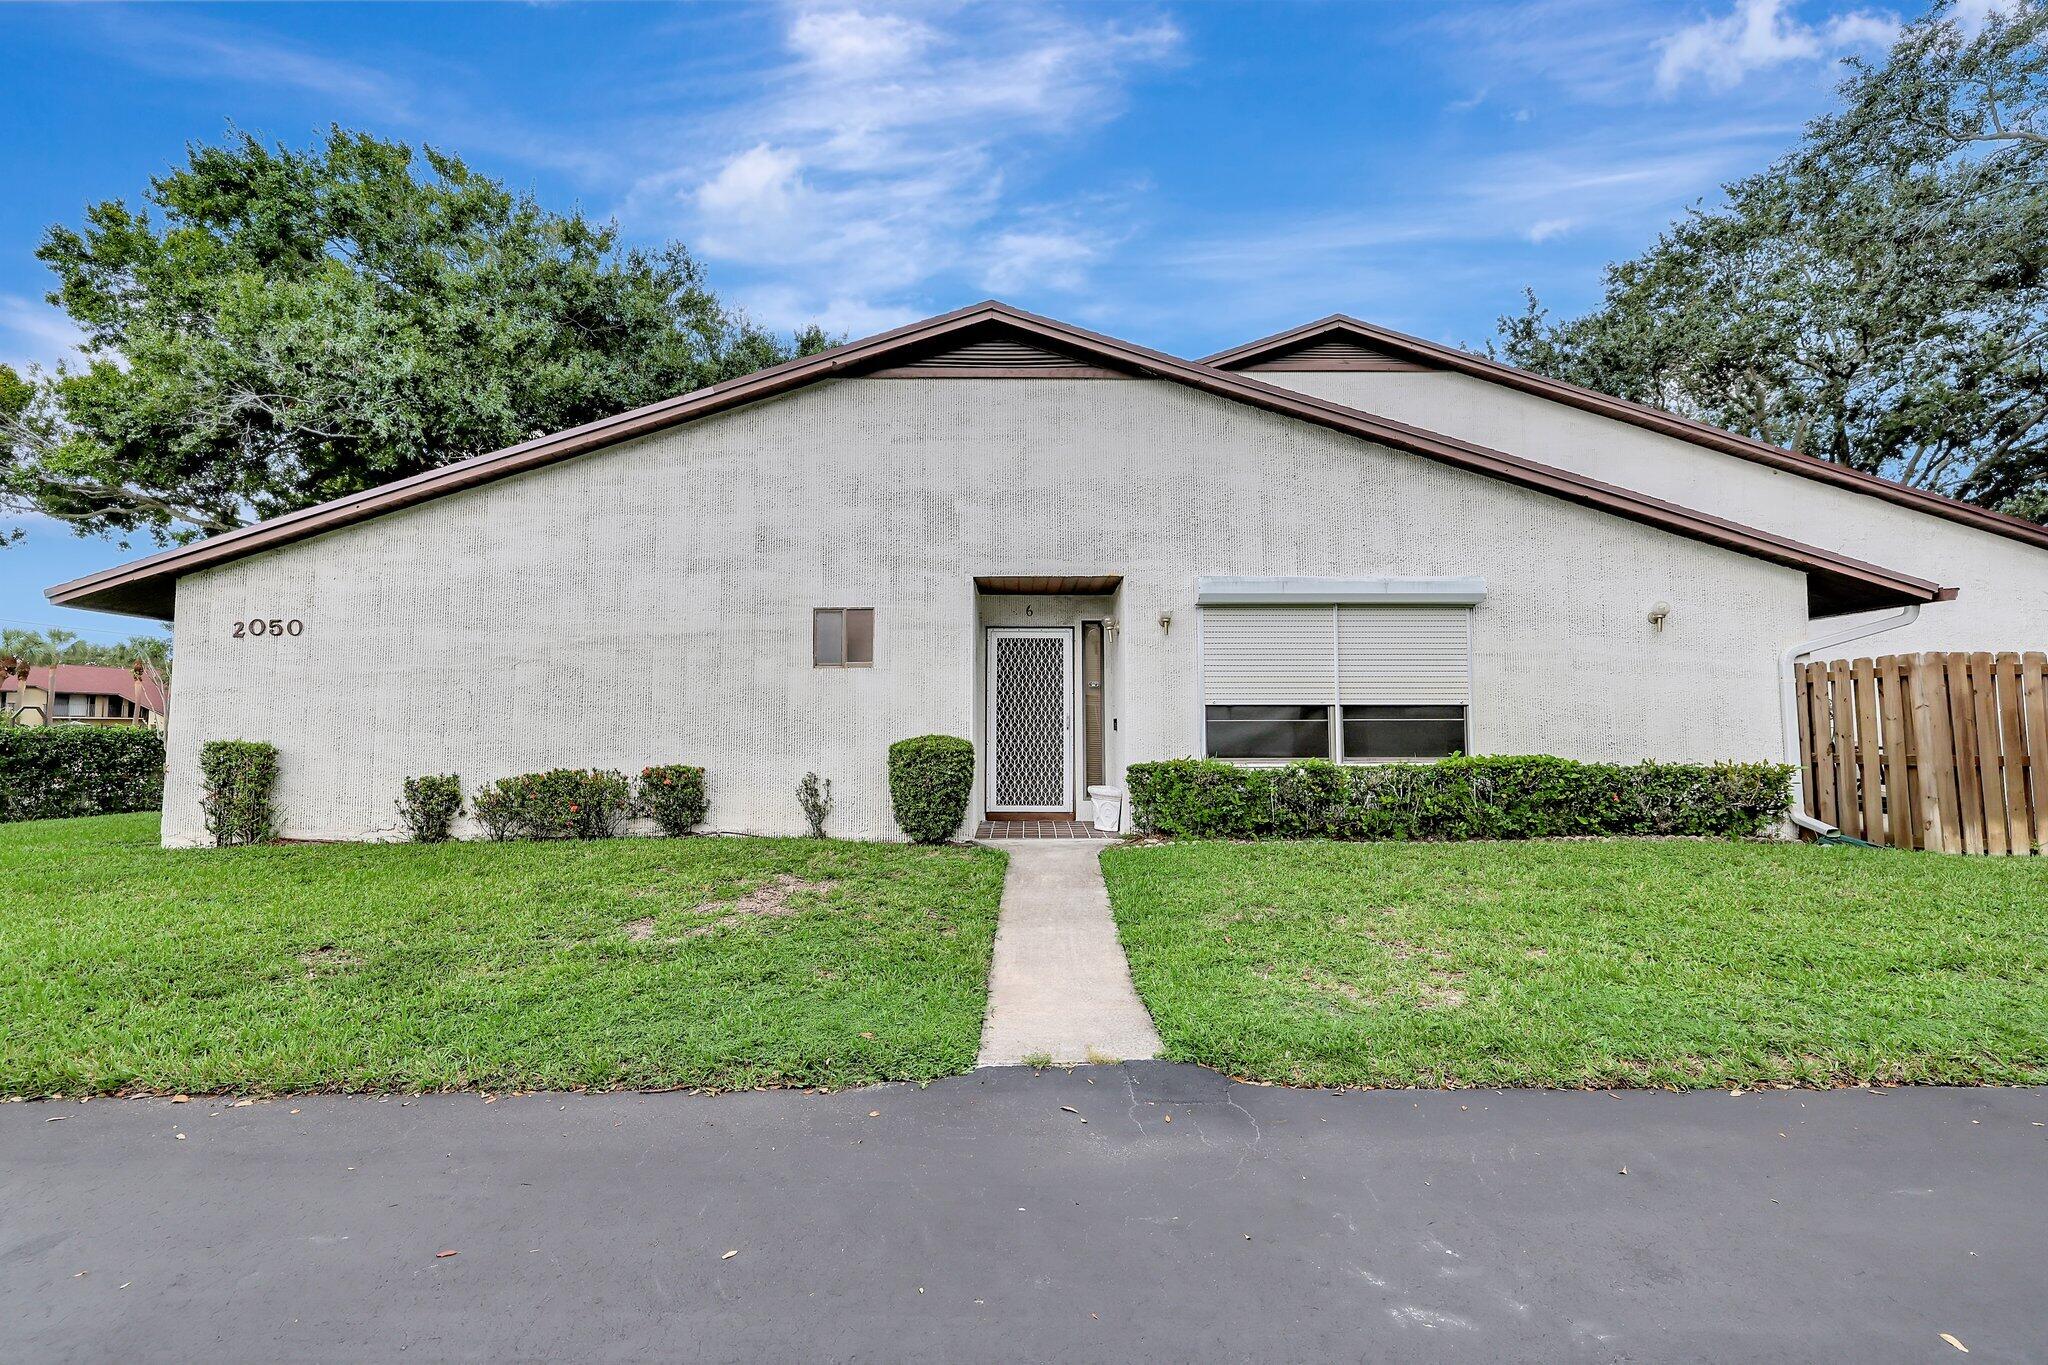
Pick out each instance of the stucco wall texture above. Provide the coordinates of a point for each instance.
(651, 602)
(2003, 604)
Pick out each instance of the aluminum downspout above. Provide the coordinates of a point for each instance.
(1788, 703)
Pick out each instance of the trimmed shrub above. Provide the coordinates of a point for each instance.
(239, 776)
(561, 803)
(1533, 797)
(496, 808)
(428, 805)
(931, 778)
(814, 795)
(55, 772)
(673, 795)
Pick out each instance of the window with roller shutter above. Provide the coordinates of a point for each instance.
(1347, 682)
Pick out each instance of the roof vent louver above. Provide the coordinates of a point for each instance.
(1335, 353)
(1007, 354)
(997, 357)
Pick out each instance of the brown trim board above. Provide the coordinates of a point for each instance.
(1836, 583)
(1432, 355)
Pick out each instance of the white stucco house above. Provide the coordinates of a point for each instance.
(1077, 552)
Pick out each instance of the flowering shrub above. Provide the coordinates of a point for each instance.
(496, 808)
(672, 794)
(561, 803)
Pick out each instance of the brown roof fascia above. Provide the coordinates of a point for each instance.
(145, 587)
(1635, 414)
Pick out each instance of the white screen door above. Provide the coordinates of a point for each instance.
(1031, 719)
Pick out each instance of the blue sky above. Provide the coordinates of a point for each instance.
(1182, 175)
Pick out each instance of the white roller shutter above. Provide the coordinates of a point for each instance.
(1404, 655)
(1358, 655)
(1268, 655)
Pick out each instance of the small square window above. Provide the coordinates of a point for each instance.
(842, 637)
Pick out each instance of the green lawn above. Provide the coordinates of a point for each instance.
(631, 962)
(1684, 963)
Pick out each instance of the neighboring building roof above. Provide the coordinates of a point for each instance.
(99, 680)
(1325, 344)
(1836, 583)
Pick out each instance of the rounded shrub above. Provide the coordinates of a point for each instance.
(427, 806)
(673, 795)
(930, 780)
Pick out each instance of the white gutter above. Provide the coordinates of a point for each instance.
(1788, 699)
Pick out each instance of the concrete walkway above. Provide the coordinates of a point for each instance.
(1060, 986)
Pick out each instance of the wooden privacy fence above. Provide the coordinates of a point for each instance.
(1937, 751)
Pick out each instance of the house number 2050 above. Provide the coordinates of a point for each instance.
(274, 625)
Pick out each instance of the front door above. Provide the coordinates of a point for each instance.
(1030, 719)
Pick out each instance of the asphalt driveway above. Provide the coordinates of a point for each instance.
(1146, 1211)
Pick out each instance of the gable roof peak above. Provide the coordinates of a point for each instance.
(1836, 583)
(1270, 352)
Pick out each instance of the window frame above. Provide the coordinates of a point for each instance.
(845, 637)
(1464, 722)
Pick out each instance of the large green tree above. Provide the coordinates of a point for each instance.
(1878, 297)
(280, 327)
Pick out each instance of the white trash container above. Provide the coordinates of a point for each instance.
(1109, 808)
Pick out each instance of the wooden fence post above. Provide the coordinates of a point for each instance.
(1842, 704)
(1899, 808)
(2034, 700)
(1820, 763)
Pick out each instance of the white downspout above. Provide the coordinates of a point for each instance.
(1788, 700)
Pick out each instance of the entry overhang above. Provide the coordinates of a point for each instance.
(1384, 592)
(1053, 585)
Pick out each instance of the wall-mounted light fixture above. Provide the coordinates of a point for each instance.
(1109, 627)
(1658, 611)
(1165, 622)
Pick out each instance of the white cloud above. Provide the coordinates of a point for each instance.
(34, 333)
(1972, 15)
(760, 185)
(894, 149)
(1593, 50)
(1758, 35)
(839, 314)
(1043, 258)
(1488, 226)
(848, 41)
(197, 49)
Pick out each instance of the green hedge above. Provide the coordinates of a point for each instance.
(54, 772)
(931, 778)
(1534, 797)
